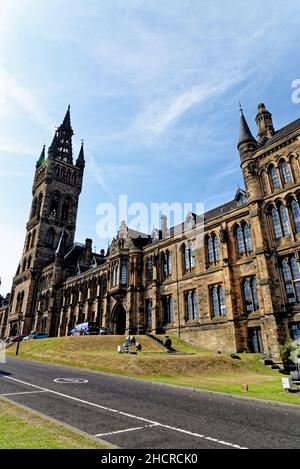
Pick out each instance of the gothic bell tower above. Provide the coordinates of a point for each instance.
(55, 194)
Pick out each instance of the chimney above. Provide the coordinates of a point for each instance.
(88, 254)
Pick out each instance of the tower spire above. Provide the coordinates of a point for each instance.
(245, 132)
(42, 158)
(80, 162)
(61, 146)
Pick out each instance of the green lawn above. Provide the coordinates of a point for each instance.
(23, 429)
(195, 367)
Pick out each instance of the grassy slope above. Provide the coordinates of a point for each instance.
(206, 370)
(22, 429)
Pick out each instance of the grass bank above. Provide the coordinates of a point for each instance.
(23, 429)
(196, 368)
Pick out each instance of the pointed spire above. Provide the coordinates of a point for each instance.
(42, 158)
(80, 160)
(245, 133)
(67, 121)
(61, 146)
(60, 251)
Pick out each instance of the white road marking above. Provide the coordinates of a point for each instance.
(70, 380)
(125, 414)
(24, 392)
(126, 430)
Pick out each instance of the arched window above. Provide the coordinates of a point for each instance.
(286, 172)
(54, 206)
(39, 205)
(240, 240)
(275, 177)
(34, 207)
(163, 262)
(248, 238)
(33, 238)
(189, 256)
(276, 223)
(149, 314)
(66, 209)
(250, 295)
(167, 310)
(28, 242)
(295, 211)
(29, 262)
(243, 239)
(191, 305)
(213, 249)
(115, 272)
(218, 302)
(291, 275)
(166, 264)
(49, 241)
(123, 272)
(169, 262)
(149, 270)
(286, 229)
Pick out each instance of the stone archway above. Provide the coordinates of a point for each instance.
(14, 329)
(118, 320)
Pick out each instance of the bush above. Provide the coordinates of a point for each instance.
(287, 351)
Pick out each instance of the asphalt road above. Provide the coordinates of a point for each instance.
(137, 414)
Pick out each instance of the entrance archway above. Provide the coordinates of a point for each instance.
(13, 329)
(118, 320)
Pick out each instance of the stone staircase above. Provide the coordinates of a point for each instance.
(160, 342)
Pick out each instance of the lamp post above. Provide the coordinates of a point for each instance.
(20, 319)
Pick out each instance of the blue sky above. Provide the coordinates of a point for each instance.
(154, 90)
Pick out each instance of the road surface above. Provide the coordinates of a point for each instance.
(137, 414)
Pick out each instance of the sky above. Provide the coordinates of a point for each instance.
(154, 89)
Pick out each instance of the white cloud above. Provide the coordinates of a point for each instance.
(10, 88)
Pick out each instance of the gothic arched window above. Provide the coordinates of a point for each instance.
(65, 209)
(218, 303)
(28, 243)
(115, 273)
(149, 270)
(243, 239)
(166, 264)
(189, 256)
(34, 207)
(213, 249)
(123, 272)
(291, 275)
(50, 235)
(54, 206)
(275, 177)
(149, 314)
(286, 229)
(250, 295)
(33, 239)
(286, 171)
(276, 223)
(191, 305)
(295, 211)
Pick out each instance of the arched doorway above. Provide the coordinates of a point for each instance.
(118, 320)
(14, 329)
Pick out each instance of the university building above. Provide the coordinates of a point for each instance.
(237, 291)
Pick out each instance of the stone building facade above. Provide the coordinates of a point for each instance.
(238, 290)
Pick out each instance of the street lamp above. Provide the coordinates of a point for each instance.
(20, 319)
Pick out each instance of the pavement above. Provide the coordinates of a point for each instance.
(135, 414)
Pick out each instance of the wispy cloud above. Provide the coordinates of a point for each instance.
(16, 148)
(10, 88)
